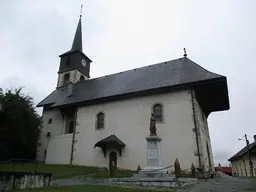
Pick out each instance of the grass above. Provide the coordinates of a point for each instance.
(63, 171)
(93, 188)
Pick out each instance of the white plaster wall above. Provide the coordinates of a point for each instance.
(204, 136)
(59, 149)
(129, 121)
(55, 128)
(74, 76)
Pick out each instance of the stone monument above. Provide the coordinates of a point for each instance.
(154, 161)
(154, 173)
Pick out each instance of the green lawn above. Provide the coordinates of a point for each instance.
(90, 188)
(63, 171)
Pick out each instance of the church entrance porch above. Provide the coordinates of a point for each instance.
(114, 146)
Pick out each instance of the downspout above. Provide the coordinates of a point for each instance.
(245, 169)
(73, 138)
(196, 129)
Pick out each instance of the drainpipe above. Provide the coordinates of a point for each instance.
(245, 169)
(196, 129)
(73, 138)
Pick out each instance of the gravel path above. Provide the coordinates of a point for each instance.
(210, 185)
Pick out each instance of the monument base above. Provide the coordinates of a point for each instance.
(154, 161)
(154, 174)
(154, 168)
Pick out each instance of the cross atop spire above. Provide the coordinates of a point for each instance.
(185, 52)
(81, 10)
(77, 42)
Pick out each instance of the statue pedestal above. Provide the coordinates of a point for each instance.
(154, 161)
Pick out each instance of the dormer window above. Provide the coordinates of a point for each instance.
(66, 79)
(68, 60)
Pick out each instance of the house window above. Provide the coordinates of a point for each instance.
(68, 60)
(81, 78)
(100, 121)
(66, 79)
(158, 112)
(71, 127)
(50, 121)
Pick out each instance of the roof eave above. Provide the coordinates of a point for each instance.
(72, 51)
(145, 92)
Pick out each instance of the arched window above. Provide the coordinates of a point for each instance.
(50, 121)
(158, 112)
(81, 78)
(100, 121)
(66, 79)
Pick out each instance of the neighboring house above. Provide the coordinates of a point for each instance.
(96, 121)
(226, 170)
(240, 161)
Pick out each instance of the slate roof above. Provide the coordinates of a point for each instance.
(168, 74)
(242, 152)
(112, 139)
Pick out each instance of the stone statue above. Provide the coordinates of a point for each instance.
(152, 125)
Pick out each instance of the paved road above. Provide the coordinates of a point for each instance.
(210, 185)
(223, 185)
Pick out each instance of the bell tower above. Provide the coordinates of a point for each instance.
(74, 64)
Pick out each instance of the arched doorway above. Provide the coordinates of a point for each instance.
(112, 157)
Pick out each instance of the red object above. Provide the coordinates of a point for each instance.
(224, 169)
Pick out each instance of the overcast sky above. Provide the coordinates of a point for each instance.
(220, 35)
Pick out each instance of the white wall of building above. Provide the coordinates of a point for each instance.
(56, 128)
(129, 121)
(59, 147)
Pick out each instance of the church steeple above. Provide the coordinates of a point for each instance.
(77, 42)
(74, 64)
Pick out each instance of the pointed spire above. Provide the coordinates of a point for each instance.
(77, 43)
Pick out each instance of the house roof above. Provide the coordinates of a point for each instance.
(171, 74)
(110, 140)
(242, 152)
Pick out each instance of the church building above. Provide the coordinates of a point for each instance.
(94, 121)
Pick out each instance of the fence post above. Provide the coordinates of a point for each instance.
(138, 169)
(36, 167)
(13, 167)
(193, 170)
(177, 168)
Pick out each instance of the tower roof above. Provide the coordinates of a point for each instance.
(77, 42)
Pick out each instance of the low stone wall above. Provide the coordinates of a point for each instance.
(24, 180)
(156, 182)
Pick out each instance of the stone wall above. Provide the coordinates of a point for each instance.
(24, 180)
(156, 182)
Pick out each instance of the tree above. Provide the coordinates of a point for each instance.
(19, 125)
